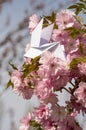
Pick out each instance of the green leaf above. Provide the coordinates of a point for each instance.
(10, 84)
(13, 66)
(84, 11)
(78, 7)
(45, 23)
(35, 60)
(33, 66)
(84, 1)
(81, 0)
(51, 18)
(75, 61)
(81, 49)
(83, 59)
(36, 125)
(81, 5)
(9, 73)
(72, 7)
(79, 19)
(28, 69)
(74, 32)
(55, 26)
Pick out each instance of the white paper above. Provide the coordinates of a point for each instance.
(36, 35)
(40, 42)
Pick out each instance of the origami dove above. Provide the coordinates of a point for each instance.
(40, 42)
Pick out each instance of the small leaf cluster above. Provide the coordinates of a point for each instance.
(76, 31)
(10, 82)
(50, 19)
(75, 61)
(73, 31)
(35, 125)
(33, 66)
(26, 69)
(78, 7)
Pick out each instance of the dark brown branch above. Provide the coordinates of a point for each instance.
(22, 25)
(4, 1)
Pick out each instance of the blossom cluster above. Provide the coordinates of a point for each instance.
(46, 75)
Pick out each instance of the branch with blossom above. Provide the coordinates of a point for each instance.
(46, 75)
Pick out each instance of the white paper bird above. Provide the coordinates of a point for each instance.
(40, 42)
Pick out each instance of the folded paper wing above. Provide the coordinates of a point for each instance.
(41, 36)
(40, 42)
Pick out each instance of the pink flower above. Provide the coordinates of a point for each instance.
(46, 58)
(69, 123)
(33, 22)
(43, 89)
(21, 87)
(75, 105)
(25, 122)
(58, 113)
(66, 19)
(52, 74)
(43, 72)
(82, 68)
(71, 56)
(42, 113)
(61, 36)
(16, 78)
(50, 127)
(54, 70)
(72, 46)
(81, 93)
(25, 92)
(52, 99)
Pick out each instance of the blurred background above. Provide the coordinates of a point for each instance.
(14, 35)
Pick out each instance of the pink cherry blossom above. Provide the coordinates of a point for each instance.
(53, 69)
(61, 36)
(58, 113)
(42, 113)
(82, 68)
(20, 86)
(16, 78)
(51, 75)
(69, 123)
(66, 19)
(43, 89)
(46, 58)
(25, 122)
(53, 99)
(81, 93)
(50, 127)
(34, 20)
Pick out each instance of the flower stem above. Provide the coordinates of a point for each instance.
(72, 84)
(67, 90)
